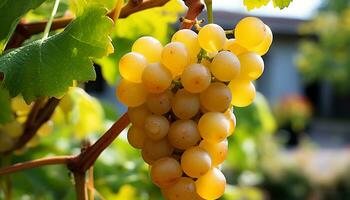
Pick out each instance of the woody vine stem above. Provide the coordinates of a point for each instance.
(44, 108)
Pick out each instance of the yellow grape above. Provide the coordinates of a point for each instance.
(154, 150)
(195, 162)
(136, 137)
(185, 104)
(196, 78)
(46, 128)
(232, 118)
(156, 127)
(137, 115)
(160, 103)
(264, 47)
(213, 127)
(148, 46)
(183, 134)
(243, 92)
(131, 66)
(212, 38)
(217, 151)
(252, 66)
(156, 78)
(6, 142)
(165, 172)
(225, 66)
(250, 32)
(131, 94)
(217, 97)
(235, 48)
(183, 189)
(211, 185)
(190, 39)
(13, 129)
(175, 58)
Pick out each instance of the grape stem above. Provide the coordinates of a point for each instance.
(195, 7)
(209, 6)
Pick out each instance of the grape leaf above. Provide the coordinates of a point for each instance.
(251, 4)
(10, 14)
(5, 108)
(281, 3)
(48, 68)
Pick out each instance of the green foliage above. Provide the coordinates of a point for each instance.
(10, 14)
(327, 57)
(57, 61)
(6, 113)
(251, 4)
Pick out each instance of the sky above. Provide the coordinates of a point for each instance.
(301, 9)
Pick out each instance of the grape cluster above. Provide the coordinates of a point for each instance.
(181, 97)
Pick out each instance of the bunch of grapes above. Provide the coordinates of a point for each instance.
(181, 97)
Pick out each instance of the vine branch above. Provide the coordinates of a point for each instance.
(195, 7)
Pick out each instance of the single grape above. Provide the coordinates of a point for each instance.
(211, 185)
(131, 94)
(252, 66)
(217, 151)
(160, 103)
(148, 46)
(243, 92)
(264, 47)
(212, 38)
(195, 162)
(136, 137)
(216, 98)
(131, 66)
(190, 39)
(154, 150)
(196, 78)
(183, 189)
(13, 129)
(250, 32)
(235, 48)
(183, 134)
(185, 104)
(137, 115)
(225, 66)
(213, 127)
(232, 118)
(175, 57)
(165, 172)
(156, 127)
(156, 78)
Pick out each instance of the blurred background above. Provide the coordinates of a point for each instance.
(292, 143)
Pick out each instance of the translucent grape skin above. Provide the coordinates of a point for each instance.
(190, 39)
(212, 38)
(195, 162)
(250, 32)
(216, 98)
(156, 78)
(156, 127)
(232, 118)
(154, 150)
(185, 104)
(137, 115)
(160, 103)
(217, 151)
(213, 127)
(235, 48)
(196, 78)
(175, 58)
(131, 94)
(149, 47)
(165, 171)
(264, 47)
(183, 189)
(136, 137)
(183, 134)
(131, 66)
(211, 185)
(252, 66)
(243, 92)
(225, 66)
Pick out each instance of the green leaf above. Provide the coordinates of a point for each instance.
(281, 3)
(10, 14)
(251, 4)
(48, 68)
(5, 106)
